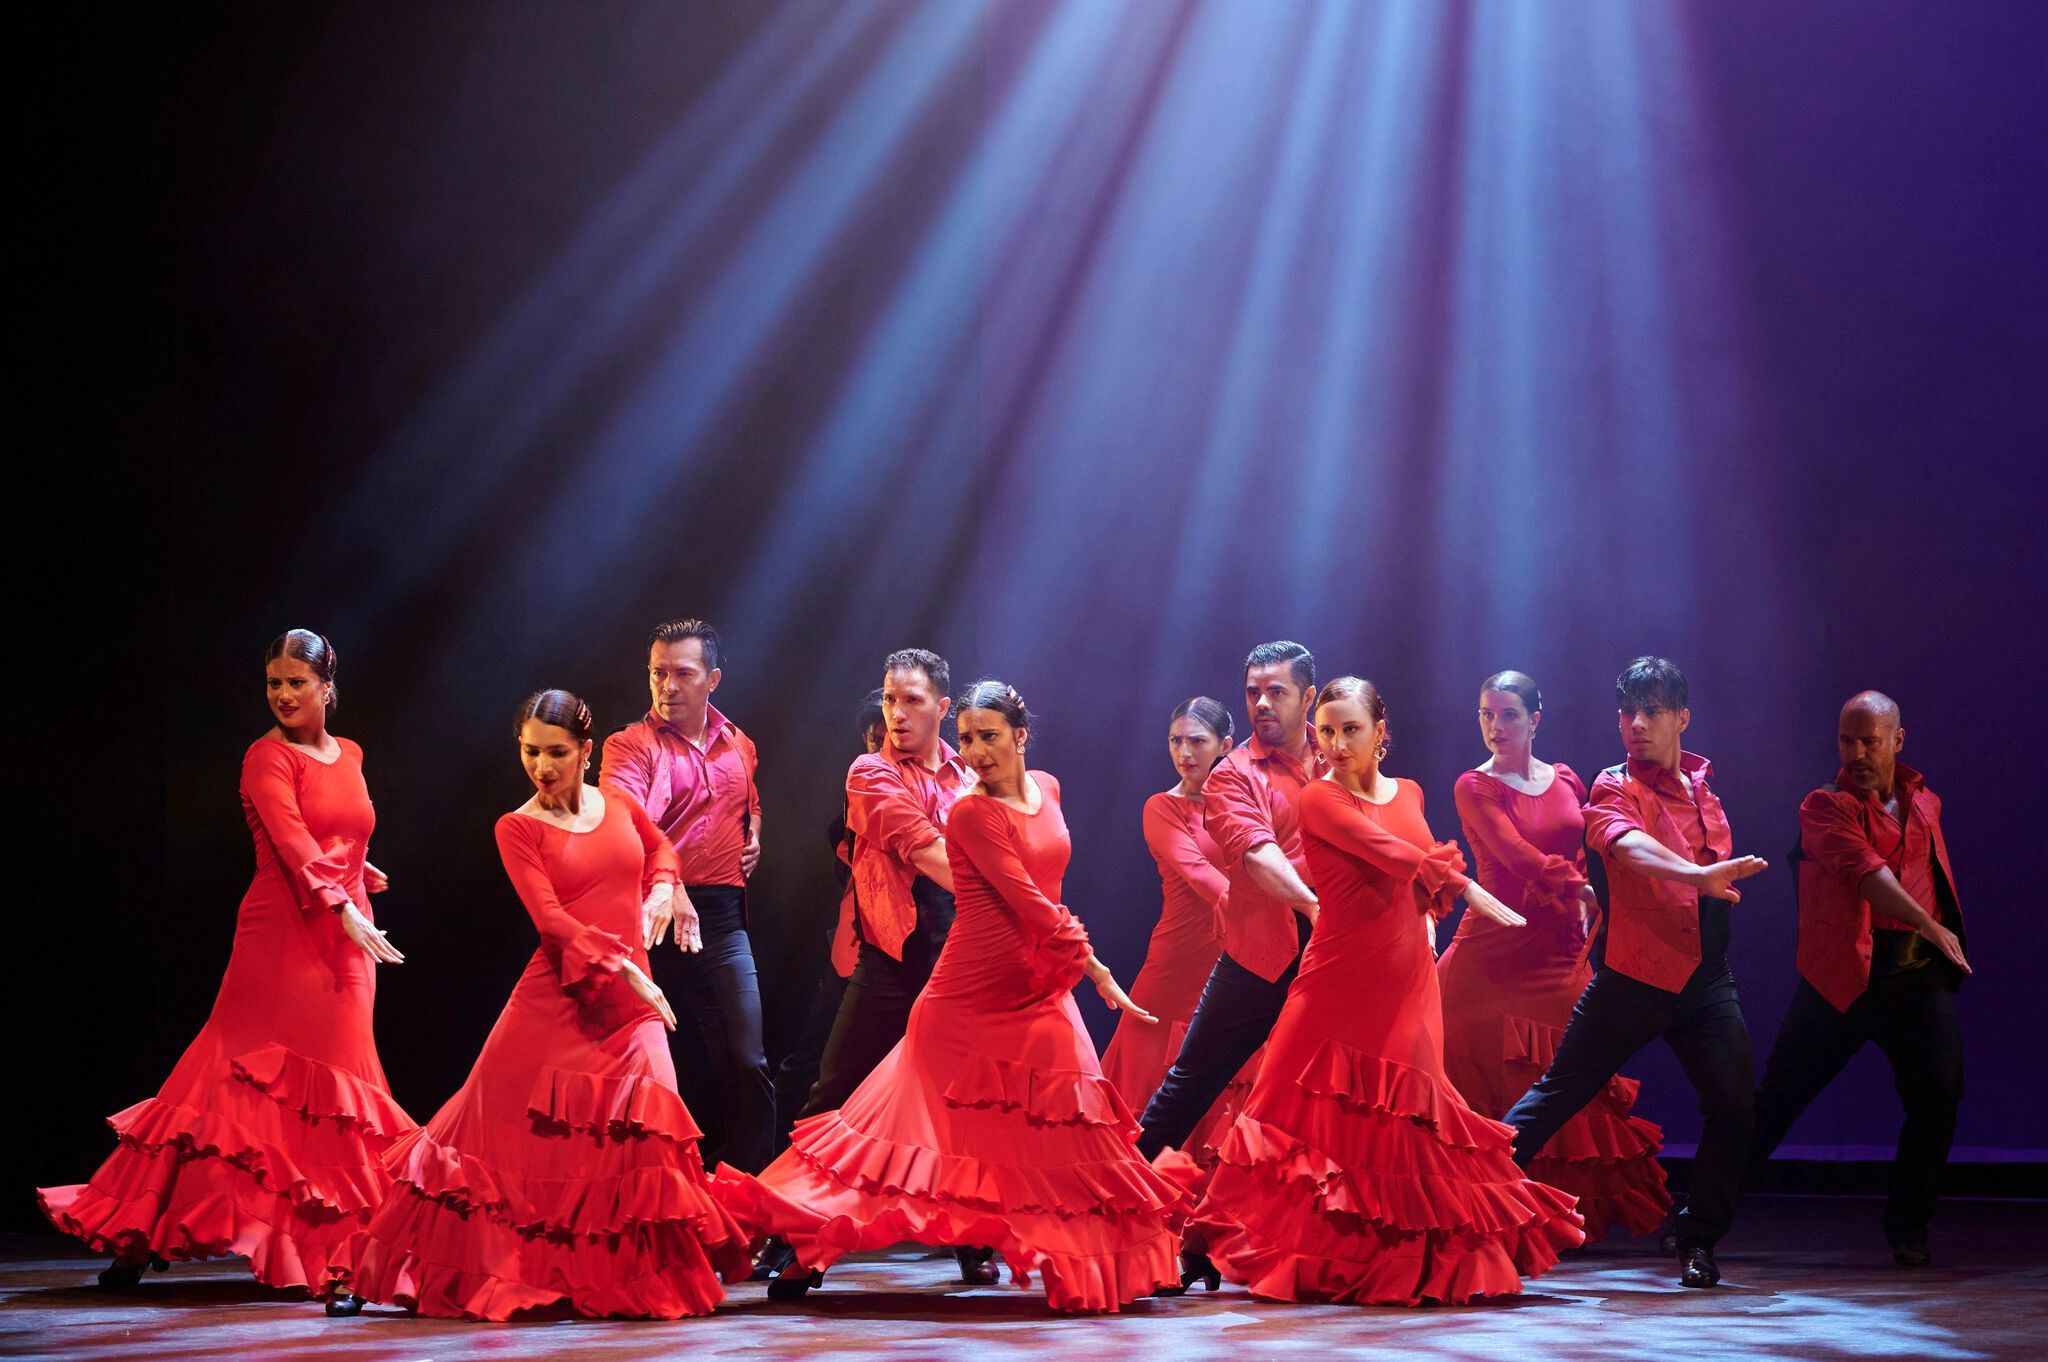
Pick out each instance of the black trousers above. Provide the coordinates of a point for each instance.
(1916, 1027)
(718, 989)
(875, 1011)
(797, 1074)
(1232, 1020)
(1702, 1023)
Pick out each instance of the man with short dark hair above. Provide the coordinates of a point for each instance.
(692, 769)
(1250, 802)
(1880, 959)
(1661, 955)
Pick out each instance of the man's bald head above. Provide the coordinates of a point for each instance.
(1870, 736)
(1876, 704)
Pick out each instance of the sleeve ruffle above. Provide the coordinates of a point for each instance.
(590, 957)
(1059, 959)
(322, 882)
(1442, 868)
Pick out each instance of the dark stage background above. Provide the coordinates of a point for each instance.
(1087, 344)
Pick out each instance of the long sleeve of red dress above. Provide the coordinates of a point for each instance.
(317, 874)
(980, 831)
(1553, 881)
(1174, 847)
(583, 954)
(1438, 871)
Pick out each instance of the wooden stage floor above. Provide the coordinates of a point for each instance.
(1807, 1278)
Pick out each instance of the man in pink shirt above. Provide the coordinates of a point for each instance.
(1249, 807)
(692, 769)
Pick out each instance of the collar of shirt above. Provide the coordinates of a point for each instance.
(1694, 767)
(715, 726)
(1261, 752)
(1906, 785)
(947, 757)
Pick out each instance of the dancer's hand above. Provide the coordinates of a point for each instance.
(364, 933)
(689, 933)
(375, 880)
(1589, 909)
(1118, 1000)
(1945, 941)
(656, 914)
(1717, 881)
(750, 854)
(1486, 905)
(649, 992)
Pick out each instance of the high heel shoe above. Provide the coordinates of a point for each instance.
(794, 1283)
(343, 1305)
(774, 1257)
(118, 1275)
(977, 1267)
(1196, 1267)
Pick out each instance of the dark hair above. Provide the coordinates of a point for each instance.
(1206, 712)
(1303, 661)
(869, 714)
(560, 708)
(675, 631)
(999, 696)
(1361, 691)
(920, 660)
(1519, 684)
(1650, 680)
(312, 649)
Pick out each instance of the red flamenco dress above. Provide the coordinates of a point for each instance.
(1356, 1174)
(265, 1139)
(990, 1123)
(1182, 951)
(1508, 992)
(566, 1167)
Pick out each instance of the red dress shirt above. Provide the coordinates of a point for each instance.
(703, 801)
(1845, 836)
(1253, 797)
(1653, 925)
(896, 805)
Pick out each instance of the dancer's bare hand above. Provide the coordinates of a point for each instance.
(1717, 881)
(1589, 909)
(1945, 941)
(657, 913)
(649, 992)
(1113, 994)
(364, 933)
(1486, 905)
(689, 932)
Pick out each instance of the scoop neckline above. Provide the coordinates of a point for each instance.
(1555, 767)
(571, 832)
(294, 747)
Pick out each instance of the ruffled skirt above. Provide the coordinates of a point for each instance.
(1036, 1162)
(1369, 1182)
(1605, 1156)
(592, 1194)
(270, 1154)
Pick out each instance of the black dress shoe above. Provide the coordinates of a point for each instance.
(1697, 1266)
(343, 1305)
(977, 1266)
(794, 1283)
(775, 1255)
(1911, 1253)
(1196, 1267)
(117, 1276)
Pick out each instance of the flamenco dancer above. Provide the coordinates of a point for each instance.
(1880, 959)
(991, 1123)
(1249, 811)
(1662, 956)
(566, 1167)
(1189, 937)
(1356, 1174)
(265, 1139)
(692, 770)
(1508, 994)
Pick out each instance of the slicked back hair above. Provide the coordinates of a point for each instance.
(675, 631)
(1300, 659)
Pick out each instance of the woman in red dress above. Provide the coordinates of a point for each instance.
(1355, 1173)
(265, 1139)
(990, 1122)
(566, 1167)
(1508, 994)
(1189, 936)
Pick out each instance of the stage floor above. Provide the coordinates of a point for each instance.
(1807, 1278)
